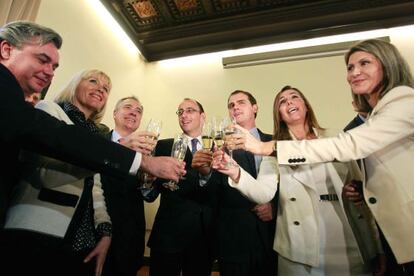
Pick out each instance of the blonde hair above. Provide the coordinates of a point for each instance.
(280, 129)
(67, 94)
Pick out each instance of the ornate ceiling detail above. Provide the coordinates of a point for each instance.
(172, 28)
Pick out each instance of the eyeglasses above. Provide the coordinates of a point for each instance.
(190, 111)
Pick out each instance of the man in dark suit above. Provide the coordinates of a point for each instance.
(28, 57)
(182, 235)
(246, 230)
(125, 205)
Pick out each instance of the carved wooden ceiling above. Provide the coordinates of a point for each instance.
(172, 28)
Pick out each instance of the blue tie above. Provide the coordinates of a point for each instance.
(194, 142)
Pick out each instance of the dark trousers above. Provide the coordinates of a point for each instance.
(393, 268)
(195, 260)
(40, 256)
(262, 262)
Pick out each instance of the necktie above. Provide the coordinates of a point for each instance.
(194, 142)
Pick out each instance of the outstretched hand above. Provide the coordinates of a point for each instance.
(244, 140)
(163, 167)
(220, 163)
(141, 141)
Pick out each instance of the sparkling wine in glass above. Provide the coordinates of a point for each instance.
(229, 129)
(178, 151)
(207, 136)
(154, 125)
(217, 132)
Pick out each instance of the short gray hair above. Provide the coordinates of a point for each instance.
(119, 102)
(20, 33)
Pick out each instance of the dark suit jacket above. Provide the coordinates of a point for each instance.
(241, 233)
(125, 206)
(23, 126)
(184, 215)
(354, 123)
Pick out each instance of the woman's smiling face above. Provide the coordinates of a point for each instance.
(92, 94)
(292, 107)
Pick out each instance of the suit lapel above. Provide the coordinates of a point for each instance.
(252, 163)
(188, 157)
(303, 174)
(338, 173)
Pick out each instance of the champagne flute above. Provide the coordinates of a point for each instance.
(207, 136)
(217, 133)
(154, 125)
(229, 129)
(178, 151)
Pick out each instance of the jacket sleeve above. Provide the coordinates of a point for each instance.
(262, 189)
(99, 206)
(37, 131)
(391, 120)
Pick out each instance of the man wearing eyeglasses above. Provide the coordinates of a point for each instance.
(181, 237)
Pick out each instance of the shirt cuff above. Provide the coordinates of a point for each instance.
(135, 164)
(104, 229)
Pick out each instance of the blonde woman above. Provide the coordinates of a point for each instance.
(58, 208)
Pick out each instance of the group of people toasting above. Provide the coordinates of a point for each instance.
(291, 203)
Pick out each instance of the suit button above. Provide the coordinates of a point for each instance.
(372, 200)
(290, 160)
(302, 160)
(296, 222)
(292, 199)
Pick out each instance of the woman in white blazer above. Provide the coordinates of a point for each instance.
(381, 79)
(317, 232)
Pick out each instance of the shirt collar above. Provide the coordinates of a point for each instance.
(115, 136)
(255, 132)
(191, 138)
(362, 117)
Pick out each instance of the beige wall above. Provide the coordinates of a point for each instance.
(88, 43)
